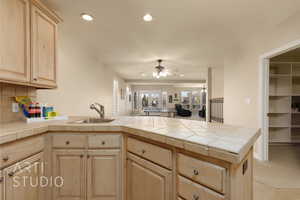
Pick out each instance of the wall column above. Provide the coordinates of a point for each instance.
(208, 93)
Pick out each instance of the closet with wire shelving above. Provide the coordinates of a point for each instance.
(284, 102)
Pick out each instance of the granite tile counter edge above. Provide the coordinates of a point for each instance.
(223, 154)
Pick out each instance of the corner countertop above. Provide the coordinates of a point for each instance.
(225, 142)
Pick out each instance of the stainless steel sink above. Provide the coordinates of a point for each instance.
(92, 121)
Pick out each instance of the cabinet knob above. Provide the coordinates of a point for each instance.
(1, 180)
(143, 151)
(81, 156)
(5, 159)
(35, 79)
(195, 197)
(67, 142)
(103, 142)
(196, 172)
(88, 156)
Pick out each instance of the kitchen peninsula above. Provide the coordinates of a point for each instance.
(130, 158)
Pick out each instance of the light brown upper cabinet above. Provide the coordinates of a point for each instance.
(43, 43)
(15, 40)
(28, 36)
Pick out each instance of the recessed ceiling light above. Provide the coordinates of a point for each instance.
(143, 74)
(181, 75)
(148, 18)
(87, 17)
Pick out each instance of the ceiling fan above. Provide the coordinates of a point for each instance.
(161, 71)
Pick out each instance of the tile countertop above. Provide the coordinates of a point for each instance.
(220, 141)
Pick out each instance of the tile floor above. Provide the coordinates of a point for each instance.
(279, 178)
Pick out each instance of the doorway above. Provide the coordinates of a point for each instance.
(280, 86)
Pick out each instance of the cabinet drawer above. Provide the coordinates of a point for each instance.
(203, 172)
(17, 151)
(104, 141)
(69, 141)
(190, 190)
(151, 152)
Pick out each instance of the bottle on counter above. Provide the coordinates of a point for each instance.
(51, 112)
(43, 110)
(37, 110)
(31, 110)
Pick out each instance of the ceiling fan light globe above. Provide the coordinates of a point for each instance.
(148, 18)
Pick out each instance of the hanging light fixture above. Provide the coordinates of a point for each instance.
(160, 70)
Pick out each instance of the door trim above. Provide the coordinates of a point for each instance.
(262, 147)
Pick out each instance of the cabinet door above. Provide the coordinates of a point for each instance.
(44, 34)
(104, 175)
(14, 40)
(22, 180)
(147, 181)
(70, 166)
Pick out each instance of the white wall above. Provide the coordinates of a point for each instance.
(241, 73)
(82, 79)
(217, 82)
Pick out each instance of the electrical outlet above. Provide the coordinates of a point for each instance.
(15, 107)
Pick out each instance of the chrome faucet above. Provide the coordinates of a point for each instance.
(99, 110)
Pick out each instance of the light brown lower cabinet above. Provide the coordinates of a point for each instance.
(191, 190)
(22, 180)
(70, 165)
(87, 175)
(104, 175)
(147, 181)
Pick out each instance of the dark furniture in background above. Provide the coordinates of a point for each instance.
(202, 112)
(182, 112)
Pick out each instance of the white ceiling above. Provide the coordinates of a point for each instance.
(190, 35)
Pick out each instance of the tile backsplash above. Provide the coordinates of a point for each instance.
(7, 94)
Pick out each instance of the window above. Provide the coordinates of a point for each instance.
(150, 99)
(185, 99)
